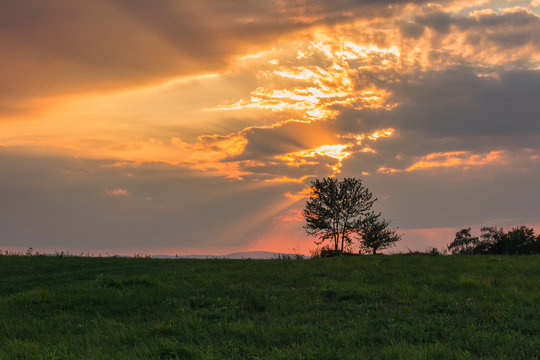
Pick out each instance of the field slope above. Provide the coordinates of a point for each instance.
(373, 307)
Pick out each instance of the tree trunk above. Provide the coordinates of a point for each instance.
(374, 251)
(336, 236)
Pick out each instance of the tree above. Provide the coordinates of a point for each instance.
(520, 240)
(494, 240)
(375, 234)
(464, 242)
(337, 209)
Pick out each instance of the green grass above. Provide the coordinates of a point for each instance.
(372, 307)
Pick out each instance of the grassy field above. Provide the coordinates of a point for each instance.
(372, 307)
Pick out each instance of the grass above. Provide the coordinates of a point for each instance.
(371, 307)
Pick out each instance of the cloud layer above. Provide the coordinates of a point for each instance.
(133, 125)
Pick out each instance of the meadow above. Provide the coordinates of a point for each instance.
(368, 307)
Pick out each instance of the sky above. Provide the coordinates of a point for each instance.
(182, 127)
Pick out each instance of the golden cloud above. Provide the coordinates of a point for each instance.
(459, 159)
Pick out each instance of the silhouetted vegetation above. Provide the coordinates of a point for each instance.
(339, 210)
(494, 240)
(430, 251)
(375, 234)
(327, 251)
(464, 242)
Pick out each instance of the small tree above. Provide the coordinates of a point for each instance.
(336, 210)
(375, 235)
(464, 242)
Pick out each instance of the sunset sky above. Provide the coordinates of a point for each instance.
(179, 127)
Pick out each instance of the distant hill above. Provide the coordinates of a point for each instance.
(255, 255)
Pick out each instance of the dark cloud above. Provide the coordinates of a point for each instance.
(520, 18)
(456, 103)
(448, 111)
(439, 21)
(411, 30)
(55, 47)
(507, 31)
(460, 103)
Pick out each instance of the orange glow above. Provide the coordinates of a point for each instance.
(463, 159)
(286, 179)
(423, 238)
(303, 194)
(354, 51)
(333, 151)
(321, 87)
(119, 193)
(457, 158)
(336, 151)
(358, 140)
(263, 215)
(381, 133)
(220, 146)
(367, 149)
(294, 215)
(286, 237)
(386, 170)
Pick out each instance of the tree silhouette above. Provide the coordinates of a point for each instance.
(464, 242)
(519, 240)
(375, 235)
(337, 209)
(494, 240)
(491, 239)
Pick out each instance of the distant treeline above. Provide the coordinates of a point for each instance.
(520, 240)
(31, 252)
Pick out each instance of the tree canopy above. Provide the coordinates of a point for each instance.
(464, 242)
(337, 209)
(494, 240)
(375, 234)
